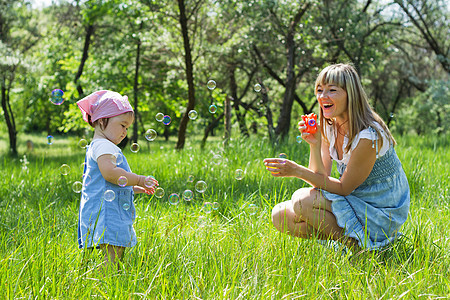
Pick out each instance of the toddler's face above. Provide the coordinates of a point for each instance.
(117, 127)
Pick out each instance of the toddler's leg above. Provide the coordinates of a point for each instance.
(112, 255)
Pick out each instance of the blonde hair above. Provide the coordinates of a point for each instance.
(360, 114)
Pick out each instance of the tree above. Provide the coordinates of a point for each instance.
(431, 20)
(14, 15)
(184, 18)
(162, 58)
(287, 34)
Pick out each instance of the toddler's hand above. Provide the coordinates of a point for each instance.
(147, 182)
(150, 191)
(138, 190)
(151, 182)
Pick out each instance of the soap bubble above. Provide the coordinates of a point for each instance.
(191, 178)
(149, 181)
(122, 181)
(192, 114)
(57, 97)
(126, 205)
(217, 159)
(202, 221)
(201, 186)
(239, 174)
(257, 88)
(391, 115)
(212, 108)
(207, 207)
(134, 147)
(188, 195)
(166, 120)
(174, 198)
(159, 117)
(282, 155)
(119, 158)
(150, 135)
(299, 139)
(159, 192)
(116, 158)
(211, 84)
(215, 205)
(65, 169)
(49, 139)
(83, 143)
(252, 209)
(77, 186)
(109, 195)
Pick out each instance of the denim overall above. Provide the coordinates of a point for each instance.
(374, 212)
(101, 221)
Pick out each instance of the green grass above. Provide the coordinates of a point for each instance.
(184, 253)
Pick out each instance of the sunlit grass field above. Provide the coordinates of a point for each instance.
(230, 253)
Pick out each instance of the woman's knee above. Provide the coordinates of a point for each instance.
(283, 217)
(279, 214)
(302, 201)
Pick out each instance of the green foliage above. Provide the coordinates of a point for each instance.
(185, 253)
(427, 112)
(43, 50)
(433, 108)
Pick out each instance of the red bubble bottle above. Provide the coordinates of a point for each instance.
(311, 123)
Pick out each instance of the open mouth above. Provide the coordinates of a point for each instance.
(327, 106)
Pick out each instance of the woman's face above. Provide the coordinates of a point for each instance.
(333, 101)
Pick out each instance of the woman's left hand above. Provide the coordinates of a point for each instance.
(280, 167)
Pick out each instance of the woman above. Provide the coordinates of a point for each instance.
(369, 202)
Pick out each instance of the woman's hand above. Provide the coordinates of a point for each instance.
(311, 139)
(280, 167)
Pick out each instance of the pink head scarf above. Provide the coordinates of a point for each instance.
(103, 104)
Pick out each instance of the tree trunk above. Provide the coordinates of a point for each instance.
(9, 118)
(236, 100)
(87, 42)
(284, 120)
(268, 112)
(189, 75)
(210, 128)
(136, 87)
(396, 101)
(227, 112)
(275, 76)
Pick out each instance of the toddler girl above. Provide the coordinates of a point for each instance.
(107, 210)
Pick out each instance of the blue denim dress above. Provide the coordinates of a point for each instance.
(374, 212)
(101, 221)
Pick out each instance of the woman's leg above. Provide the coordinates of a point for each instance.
(313, 208)
(307, 215)
(286, 221)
